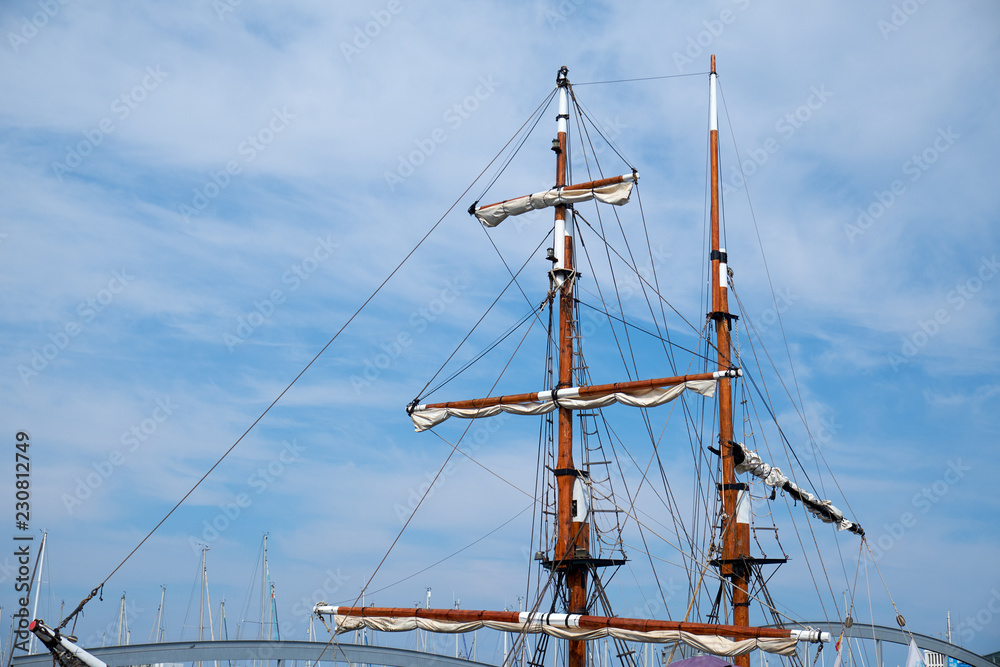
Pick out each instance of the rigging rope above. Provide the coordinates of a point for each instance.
(95, 591)
(645, 78)
(638, 275)
(511, 330)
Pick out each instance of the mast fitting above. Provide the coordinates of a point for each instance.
(739, 486)
(719, 315)
(573, 472)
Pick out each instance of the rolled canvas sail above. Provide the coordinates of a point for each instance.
(547, 401)
(616, 193)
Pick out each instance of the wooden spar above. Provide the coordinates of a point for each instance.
(579, 187)
(586, 391)
(581, 621)
(735, 529)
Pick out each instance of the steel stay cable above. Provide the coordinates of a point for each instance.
(605, 310)
(652, 334)
(645, 78)
(760, 243)
(483, 466)
(714, 575)
(799, 412)
(336, 335)
(809, 522)
(454, 448)
(662, 300)
(489, 348)
(789, 447)
(632, 263)
(454, 553)
(638, 275)
(788, 352)
(537, 112)
(792, 514)
(513, 279)
(672, 505)
(582, 113)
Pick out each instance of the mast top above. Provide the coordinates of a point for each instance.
(713, 65)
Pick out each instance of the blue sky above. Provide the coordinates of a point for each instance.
(195, 196)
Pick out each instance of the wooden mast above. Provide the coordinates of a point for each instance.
(735, 522)
(573, 531)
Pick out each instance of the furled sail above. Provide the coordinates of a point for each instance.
(642, 393)
(773, 477)
(716, 639)
(615, 190)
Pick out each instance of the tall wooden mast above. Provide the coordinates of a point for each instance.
(734, 564)
(573, 531)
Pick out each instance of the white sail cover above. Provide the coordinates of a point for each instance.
(773, 477)
(616, 193)
(532, 624)
(546, 401)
